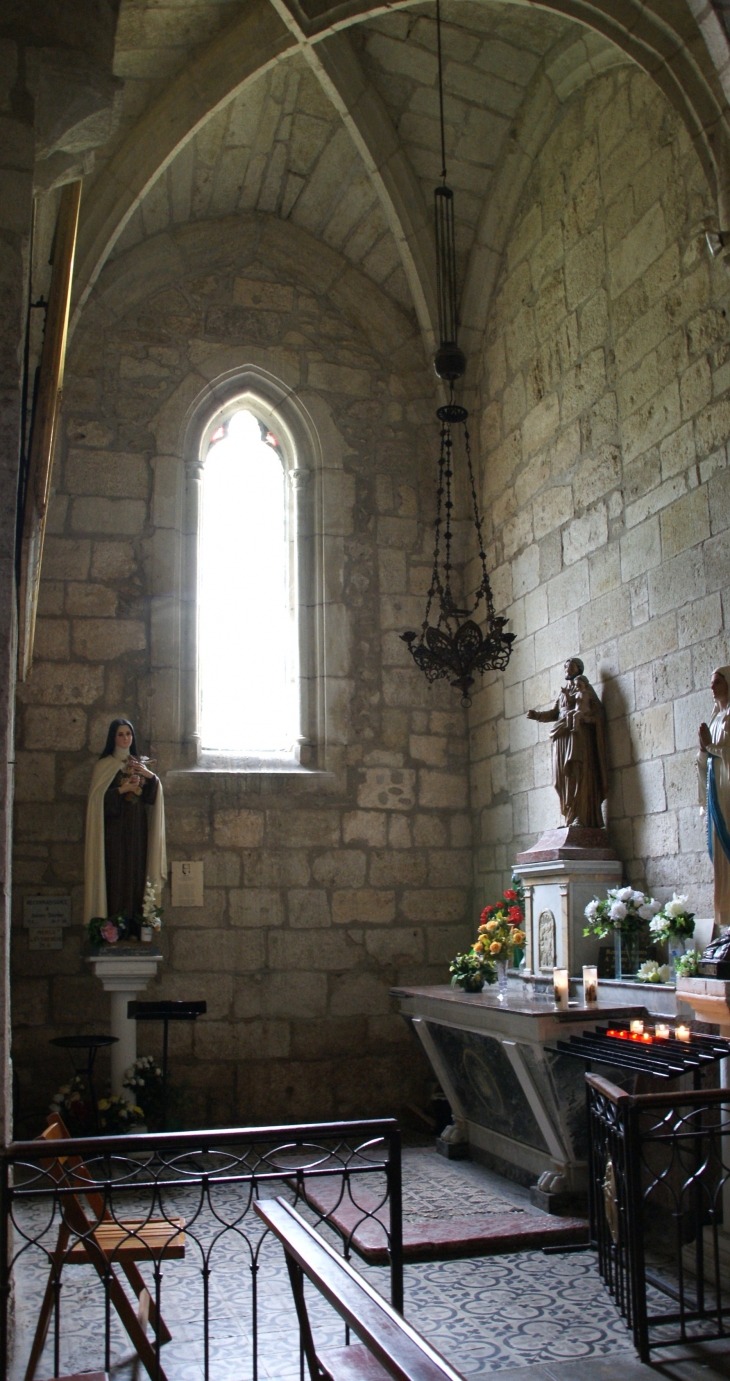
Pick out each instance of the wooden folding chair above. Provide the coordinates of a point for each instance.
(105, 1242)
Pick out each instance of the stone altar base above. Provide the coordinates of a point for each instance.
(561, 873)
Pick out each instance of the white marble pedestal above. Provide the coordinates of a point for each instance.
(124, 973)
(556, 894)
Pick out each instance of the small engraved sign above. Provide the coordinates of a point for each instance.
(187, 884)
(45, 911)
(45, 937)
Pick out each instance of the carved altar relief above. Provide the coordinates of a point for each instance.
(546, 940)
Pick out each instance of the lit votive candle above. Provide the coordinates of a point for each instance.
(590, 984)
(661, 1031)
(637, 1028)
(682, 1033)
(560, 988)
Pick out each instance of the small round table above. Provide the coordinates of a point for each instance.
(92, 1045)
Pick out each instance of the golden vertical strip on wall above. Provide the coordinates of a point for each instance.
(46, 423)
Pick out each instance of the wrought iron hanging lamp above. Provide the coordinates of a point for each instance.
(454, 646)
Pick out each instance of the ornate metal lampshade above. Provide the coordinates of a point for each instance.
(454, 646)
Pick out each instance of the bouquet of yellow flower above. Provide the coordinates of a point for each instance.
(499, 932)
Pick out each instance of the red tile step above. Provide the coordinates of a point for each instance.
(442, 1239)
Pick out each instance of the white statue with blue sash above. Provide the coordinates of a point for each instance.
(713, 764)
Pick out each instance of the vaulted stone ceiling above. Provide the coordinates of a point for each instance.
(281, 145)
(329, 116)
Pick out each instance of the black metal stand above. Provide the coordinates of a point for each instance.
(165, 1012)
(92, 1045)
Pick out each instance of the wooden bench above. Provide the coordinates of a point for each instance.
(389, 1347)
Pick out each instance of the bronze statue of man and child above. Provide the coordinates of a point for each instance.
(580, 776)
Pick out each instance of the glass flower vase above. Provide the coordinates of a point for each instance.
(676, 949)
(626, 951)
(501, 979)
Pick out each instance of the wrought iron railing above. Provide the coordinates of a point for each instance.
(660, 1209)
(135, 1213)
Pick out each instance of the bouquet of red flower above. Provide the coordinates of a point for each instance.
(501, 929)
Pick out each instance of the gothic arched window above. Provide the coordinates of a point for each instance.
(247, 619)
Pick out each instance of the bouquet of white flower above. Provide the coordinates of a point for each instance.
(651, 972)
(151, 912)
(674, 920)
(623, 909)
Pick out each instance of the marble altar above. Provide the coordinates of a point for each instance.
(518, 1101)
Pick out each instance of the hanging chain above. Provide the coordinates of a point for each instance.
(485, 589)
(441, 90)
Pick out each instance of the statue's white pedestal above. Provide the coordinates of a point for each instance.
(556, 894)
(124, 973)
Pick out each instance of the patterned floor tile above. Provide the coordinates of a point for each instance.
(485, 1315)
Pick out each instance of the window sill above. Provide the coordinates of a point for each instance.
(230, 764)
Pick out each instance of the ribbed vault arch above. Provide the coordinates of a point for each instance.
(661, 36)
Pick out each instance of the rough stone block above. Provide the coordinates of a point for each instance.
(393, 868)
(605, 617)
(585, 265)
(112, 561)
(35, 776)
(366, 906)
(676, 582)
(52, 728)
(540, 424)
(103, 640)
(585, 534)
(655, 835)
(308, 908)
(685, 523)
(53, 823)
(356, 994)
(303, 829)
(633, 255)
(58, 684)
(551, 510)
(436, 904)
(64, 559)
(689, 713)
(652, 732)
(442, 790)
(221, 951)
(111, 474)
(322, 950)
(335, 378)
(113, 516)
(699, 621)
(238, 828)
(256, 906)
(86, 600)
(648, 643)
(52, 640)
(640, 549)
(568, 591)
(386, 788)
(364, 827)
(340, 868)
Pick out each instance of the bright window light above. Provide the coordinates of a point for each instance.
(244, 610)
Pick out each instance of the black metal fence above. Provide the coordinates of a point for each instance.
(660, 1207)
(91, 1229)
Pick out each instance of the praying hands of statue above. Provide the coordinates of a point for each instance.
(705, 738)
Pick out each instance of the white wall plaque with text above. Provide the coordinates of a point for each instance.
(187, 884)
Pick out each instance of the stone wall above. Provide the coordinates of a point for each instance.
(322, 890)
(604, 421)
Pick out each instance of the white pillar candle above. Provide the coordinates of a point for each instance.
(682, 1033)
(560, 988)
(590, 984)
(661, 1031)
(637, 1028)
